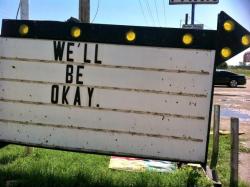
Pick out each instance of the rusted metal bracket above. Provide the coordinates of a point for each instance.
(212, 175)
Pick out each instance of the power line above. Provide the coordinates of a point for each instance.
(97, 9)
(143, 13)
(18, 9)
(164, 10)
(157, 13)
(149, 10)
(208, 27)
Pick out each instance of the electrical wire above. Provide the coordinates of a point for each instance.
(149, 11)
(157, 16)
(143, 13)
(18, 9)
(208, 27)
(97, 9)
(164, 10)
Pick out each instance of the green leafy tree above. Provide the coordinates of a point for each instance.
(222, 66)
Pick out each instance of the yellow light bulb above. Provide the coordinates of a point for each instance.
(75, 32)
(23, 29)
(228, 25)
(245, 40)
(187, 39)
(226, 52)
(130, 36)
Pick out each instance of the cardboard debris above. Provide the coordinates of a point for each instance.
(137, 164)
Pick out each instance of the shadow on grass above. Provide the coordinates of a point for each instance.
(36, 180)
(8, 159)
(85, 179)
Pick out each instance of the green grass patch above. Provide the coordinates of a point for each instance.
(59, 168)
(244, 149)
(245, 72)
(223, 166)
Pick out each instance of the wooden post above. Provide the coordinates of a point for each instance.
(216, 128)
(28, 150)
(84, 12)
(234, 152)
(24, 11)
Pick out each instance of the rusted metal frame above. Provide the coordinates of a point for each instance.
(211, 172)
(212, 175)
(216, 127)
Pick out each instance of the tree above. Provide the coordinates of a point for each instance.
(222, 66)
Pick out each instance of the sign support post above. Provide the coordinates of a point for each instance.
(193, 3)
(192, 13)
(24, 4)
(84, 11)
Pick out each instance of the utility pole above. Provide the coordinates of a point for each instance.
(192, 13)
(24, 9)
(24, 14)
(84, 11)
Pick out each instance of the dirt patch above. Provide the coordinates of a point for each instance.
(237, 99)
(244, 166)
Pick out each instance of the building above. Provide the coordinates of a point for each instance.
(246, 59)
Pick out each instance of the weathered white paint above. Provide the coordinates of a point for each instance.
(147, 101)
(147, 57)
(109, 98)
(124, 78)
(100, 142)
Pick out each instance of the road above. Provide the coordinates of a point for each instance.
(235, 102)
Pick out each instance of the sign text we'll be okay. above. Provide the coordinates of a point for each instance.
(72, 95)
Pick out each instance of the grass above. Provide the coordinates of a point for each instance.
(58, 168)
(223, 166)
(245, 72)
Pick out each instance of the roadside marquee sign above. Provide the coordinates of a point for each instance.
(108, 89)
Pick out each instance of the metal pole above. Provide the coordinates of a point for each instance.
(192, 13)
(186, 19)
(84, 11)
(234, 152)
(24, 9)
(216, 128)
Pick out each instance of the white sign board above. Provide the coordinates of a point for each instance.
(193, 1)
(193, 26)
(151, 102)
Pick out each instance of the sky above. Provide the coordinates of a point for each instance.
(157, 13)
